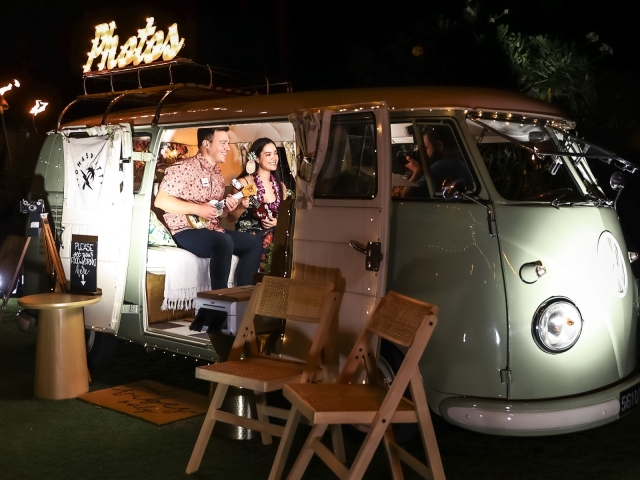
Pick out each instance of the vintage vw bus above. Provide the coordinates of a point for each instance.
(519, 246)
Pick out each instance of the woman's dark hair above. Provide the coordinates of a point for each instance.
(257, 147)
(259, 144)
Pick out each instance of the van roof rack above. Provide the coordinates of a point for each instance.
(155, 84)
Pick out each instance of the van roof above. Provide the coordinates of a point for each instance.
(280, 105)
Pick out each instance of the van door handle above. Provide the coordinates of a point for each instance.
(358, 246)
(372, 252)
(532, 271)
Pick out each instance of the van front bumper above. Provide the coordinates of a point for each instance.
(543, 417)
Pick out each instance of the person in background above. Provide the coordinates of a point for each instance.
(446, 163)
(259, 215)
(187, 188)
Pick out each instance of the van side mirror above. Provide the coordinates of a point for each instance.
(454, 190)
(617, 181)
(617, 184)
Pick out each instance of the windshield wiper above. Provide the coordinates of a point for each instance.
(556, 201)
(591, 202)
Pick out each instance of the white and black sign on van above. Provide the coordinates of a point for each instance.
(84, 264)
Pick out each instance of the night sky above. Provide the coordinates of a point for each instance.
(314, 45)
(330, 44)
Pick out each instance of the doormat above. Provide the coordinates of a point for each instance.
(150, 401)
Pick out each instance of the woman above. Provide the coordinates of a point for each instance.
(259, 215)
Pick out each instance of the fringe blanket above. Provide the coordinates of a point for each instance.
(186, 275)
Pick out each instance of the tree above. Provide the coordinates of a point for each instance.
(553, 69)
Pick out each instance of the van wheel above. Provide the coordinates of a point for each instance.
(389, 362)
(101, 348)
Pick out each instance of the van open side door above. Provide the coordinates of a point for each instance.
(343, 237)
(98, 201)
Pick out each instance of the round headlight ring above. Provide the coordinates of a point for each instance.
(557, 325)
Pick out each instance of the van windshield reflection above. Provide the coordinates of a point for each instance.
(541, 163)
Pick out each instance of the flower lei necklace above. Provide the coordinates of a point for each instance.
(273, 206)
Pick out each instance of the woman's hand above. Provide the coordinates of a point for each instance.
(244, 202)
(269, 222)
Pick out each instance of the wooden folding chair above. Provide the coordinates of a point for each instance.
(294, 301)
(407, 323)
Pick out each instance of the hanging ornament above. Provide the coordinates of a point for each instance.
(250, 167)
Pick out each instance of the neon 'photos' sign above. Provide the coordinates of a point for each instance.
(149, 45)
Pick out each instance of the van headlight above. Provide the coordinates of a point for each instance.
(556, 325)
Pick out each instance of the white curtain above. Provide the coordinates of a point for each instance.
(86, 165)
(243, 152)
(96, 167)
(312, 136)
(290, 151)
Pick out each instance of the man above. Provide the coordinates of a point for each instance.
(446, 163)
(186, 188)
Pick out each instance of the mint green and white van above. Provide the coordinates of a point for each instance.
(517, 244)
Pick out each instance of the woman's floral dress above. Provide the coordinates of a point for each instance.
(249, 223)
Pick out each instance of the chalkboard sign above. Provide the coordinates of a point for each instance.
(84, 264)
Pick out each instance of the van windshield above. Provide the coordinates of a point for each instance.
(533, 162)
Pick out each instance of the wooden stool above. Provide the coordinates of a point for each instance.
(61, 354)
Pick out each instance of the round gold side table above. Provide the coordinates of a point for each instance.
(61, 354)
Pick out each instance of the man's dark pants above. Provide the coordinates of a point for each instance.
(219, 247)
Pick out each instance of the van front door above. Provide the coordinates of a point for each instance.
(351, 206)
(448, 254)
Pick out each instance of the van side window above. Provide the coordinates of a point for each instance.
(350, 165)
(430, 154)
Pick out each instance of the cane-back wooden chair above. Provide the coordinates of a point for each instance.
(407, 323)
(284, 298)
